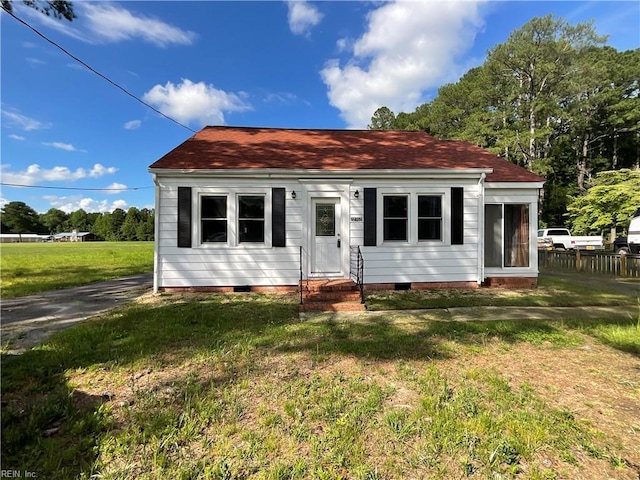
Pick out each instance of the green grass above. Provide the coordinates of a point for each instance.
(552, 291)
(235, 386)
(37, 267)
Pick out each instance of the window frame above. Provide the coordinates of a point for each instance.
(250, 219)
(503, 239)
(440, 218)
(412, 192)
(233, 211)
(407, 218)
(203, 219)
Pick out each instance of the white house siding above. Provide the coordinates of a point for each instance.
(425, 262)
(211, 265)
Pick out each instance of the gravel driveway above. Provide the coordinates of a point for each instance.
(27, 321)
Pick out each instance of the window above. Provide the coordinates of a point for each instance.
(516, 235)
(429, 217)
(395, 218)
(214, 219)
(506, 235)
(251, 218)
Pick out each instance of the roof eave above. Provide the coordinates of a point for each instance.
(297, 173)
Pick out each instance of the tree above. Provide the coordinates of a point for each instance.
(128, 230)
(608, 204)
(54, 220)
(537, 61)
(79, 220)
(21, 218)
(382, 119)
(55, 8)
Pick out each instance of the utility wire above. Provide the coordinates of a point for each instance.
(95, 71)
(73, 188)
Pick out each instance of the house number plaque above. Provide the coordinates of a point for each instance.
(356, 219)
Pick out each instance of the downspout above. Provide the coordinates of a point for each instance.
(156, 233)
(481, 228)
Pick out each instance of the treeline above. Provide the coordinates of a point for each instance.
(134, 224)
(552, 98)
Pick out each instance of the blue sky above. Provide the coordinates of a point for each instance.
(273, 64)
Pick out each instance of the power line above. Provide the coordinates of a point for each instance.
(91, 69)
(127, 189)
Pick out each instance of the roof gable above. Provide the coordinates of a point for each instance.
(234, 148)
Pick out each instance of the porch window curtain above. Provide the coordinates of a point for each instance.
(516, 225)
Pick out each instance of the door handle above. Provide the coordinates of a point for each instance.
(338, 243)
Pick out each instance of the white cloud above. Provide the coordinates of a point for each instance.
(18, 120)
(76, 202)
(35, 61)
(3, 202)
(132, 124)
(16, 137)
(116, 188)
(408, 47)
(114, 24)
(286, 98)
(195, 102)
(302, 17)
(62, 146)
(107, 22)
(33, 174)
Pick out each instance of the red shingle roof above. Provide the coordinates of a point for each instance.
(229, 148)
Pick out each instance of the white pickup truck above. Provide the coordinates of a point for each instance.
(561, 238)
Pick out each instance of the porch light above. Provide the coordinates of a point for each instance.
(356, 194)
(293, 194)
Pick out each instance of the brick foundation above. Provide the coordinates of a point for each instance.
(254, 289)
(511, 282)
(421, 285)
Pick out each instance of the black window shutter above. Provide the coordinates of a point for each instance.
(457, 216)
(184, 217)
(370, 201)
(278, 217)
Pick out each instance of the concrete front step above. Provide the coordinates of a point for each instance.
(329, 297)
(330, 285)
(332, 307)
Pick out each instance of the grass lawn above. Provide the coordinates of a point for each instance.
(36, 267)
(236, 386)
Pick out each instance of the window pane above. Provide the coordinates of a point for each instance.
(395, 206)
(493, 236)
(429, 206)
(325, 220)
(516, 235)
(251, 207)
(395, 229)
(429, 229)
(251, 230)
(214, 231)
(214, 207)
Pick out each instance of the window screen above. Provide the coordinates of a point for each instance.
(395, 218)
(251, 218)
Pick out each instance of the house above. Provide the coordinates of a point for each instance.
(23, 238)
(74, 236)
(260, 208)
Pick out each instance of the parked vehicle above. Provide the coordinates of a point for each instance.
(561, 238)
(620, 245)
(633, 235)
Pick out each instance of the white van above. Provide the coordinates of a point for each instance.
(633, 236)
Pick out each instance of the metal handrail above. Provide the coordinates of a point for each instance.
(300, 274)
(357, 273)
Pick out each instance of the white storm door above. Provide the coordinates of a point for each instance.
(326, 242)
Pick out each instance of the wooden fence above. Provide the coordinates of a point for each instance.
(605, 263)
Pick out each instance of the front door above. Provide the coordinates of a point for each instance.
(326, 241)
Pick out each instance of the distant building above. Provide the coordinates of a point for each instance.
(23, 238)
(75, 236)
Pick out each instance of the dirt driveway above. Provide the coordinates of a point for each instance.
(27, 321)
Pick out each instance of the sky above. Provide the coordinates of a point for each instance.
(294, 64)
